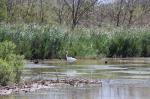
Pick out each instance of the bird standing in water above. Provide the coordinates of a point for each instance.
(70, 59)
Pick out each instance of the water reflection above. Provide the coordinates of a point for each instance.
(107, 91)
(124, 92)
(131, 81)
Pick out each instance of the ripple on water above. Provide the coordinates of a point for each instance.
(39, 66)
(106, 67)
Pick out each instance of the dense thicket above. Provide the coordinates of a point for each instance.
(40, 42)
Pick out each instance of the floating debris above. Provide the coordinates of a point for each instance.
(32, 86)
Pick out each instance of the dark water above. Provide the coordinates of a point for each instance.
(120, 81)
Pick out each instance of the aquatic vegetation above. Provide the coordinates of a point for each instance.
(145, 44)
(124, 44)
(46, 41)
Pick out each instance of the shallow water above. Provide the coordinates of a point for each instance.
(120, 80)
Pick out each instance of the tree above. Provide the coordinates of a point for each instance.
(119, 11)
(60, 11)
(78, 8)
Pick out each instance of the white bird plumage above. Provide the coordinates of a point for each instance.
(70, 59)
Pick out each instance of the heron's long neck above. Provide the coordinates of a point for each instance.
(66, 55)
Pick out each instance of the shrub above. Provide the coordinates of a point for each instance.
(145, 44)
(124, 44)
(100, 42)
(6, 72)
(11, 65)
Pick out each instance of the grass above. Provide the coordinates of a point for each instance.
(46, 42)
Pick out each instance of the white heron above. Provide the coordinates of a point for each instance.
(70, 59)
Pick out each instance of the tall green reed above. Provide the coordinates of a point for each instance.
(40, 42)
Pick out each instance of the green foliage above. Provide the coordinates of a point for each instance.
(145, 44)
(79, 43)
(10, 63)
(46, 42)
(5, 72)
(3, 10)
(6, 49)
(100, 42)
(40, 42)
(124, 44)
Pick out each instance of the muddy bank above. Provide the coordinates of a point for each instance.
(32, 86)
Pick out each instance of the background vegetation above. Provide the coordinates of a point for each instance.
(40, 42)
(77, 13)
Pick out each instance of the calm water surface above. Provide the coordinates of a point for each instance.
(120, 81)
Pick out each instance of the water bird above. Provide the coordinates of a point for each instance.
(36, 61)
(106, 62)
(70, 59)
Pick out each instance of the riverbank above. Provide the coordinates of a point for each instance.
(132, 60)
(31, 86)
